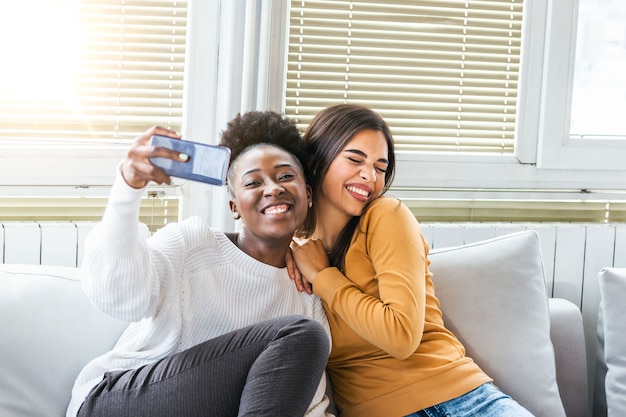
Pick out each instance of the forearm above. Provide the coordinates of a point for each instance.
(392, 327)
(117, 275)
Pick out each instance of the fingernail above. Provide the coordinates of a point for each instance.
(183, 156)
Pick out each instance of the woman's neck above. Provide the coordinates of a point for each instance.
(328, 237)
(328, 225)
(269, 251)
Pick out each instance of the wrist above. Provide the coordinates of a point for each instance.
(133, 184)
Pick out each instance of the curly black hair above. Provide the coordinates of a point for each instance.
(259, 127)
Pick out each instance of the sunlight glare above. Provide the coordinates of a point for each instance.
(41, 44)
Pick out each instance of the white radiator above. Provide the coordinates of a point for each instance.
(573, 254)
(45, 243)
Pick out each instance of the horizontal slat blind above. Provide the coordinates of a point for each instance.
(91, 70)
(442, 73)
(430, 210)
(156, 210)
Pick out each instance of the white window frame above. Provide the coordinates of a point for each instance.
(225, 73)
(216, 88)
(63, 170)
(89, 171)
(557, 150)
(545, 159)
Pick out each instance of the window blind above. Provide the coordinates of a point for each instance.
(459, 210)
(156, 209)
(90, 71)
(444, 74)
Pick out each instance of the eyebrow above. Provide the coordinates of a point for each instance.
(286, 164)
(364, 155)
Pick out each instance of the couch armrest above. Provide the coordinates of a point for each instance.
(566, 332)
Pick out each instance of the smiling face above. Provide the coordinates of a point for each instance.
(356, 176)
(269, 193)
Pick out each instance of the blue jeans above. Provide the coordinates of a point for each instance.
(484, 401)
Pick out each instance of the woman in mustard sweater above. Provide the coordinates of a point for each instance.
(366, 258)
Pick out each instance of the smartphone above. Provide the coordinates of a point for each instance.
(206, 163)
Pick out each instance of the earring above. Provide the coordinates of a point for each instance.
(310, 204)
(236, 216)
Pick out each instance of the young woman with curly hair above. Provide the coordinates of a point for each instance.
(216, 326)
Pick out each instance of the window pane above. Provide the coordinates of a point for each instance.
(599, 94)
(443, 74)
(90, 70)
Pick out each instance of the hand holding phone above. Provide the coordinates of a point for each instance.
(206, 163)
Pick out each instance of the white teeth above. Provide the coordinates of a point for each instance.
(276, 210)
(358, 191)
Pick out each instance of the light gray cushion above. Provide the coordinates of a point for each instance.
(48, 331)
(493, 297)
(599, 393)
(568, 338)
(613, 295)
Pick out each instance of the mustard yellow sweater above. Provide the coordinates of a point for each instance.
(392, 354)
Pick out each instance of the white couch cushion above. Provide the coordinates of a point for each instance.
(613, 295)
(49, 330)
(568, 338)
(599, 393)
(493, 297)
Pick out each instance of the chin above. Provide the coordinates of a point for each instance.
(357, 211)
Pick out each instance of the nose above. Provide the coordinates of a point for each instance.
(369, 173)
(273, 188)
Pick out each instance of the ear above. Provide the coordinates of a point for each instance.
(233, 209)
(309, 195)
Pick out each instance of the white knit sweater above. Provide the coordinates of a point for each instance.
(184, 285)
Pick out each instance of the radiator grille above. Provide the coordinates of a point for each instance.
(46, 243)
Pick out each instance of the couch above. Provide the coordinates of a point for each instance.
(492, 293)
(610, 377)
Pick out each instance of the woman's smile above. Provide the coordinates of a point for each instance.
(359, 191)
(271, 195)
(276, 210)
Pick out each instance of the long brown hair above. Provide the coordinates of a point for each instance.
(326, 136)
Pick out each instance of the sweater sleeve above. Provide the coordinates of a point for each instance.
(121, 273)
(387, 306)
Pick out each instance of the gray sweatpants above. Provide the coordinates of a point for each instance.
(272, 368)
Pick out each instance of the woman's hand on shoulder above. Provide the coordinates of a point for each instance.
(294, 273)
(310, 258)
(137, 170)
